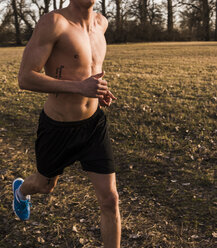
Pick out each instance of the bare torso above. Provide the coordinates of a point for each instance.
(76, 55)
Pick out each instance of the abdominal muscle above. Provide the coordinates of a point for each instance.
(70, 107)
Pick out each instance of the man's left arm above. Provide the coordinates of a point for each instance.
(107, 100)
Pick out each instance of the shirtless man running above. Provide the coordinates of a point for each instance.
(70, 45)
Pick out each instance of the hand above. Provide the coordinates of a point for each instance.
(94, 86)
(107, 99)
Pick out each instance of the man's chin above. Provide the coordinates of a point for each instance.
(87, 3)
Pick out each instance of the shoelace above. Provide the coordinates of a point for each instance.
(24, 205)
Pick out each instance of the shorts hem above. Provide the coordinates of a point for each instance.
(99, 172)
(50, 175)
(106, 170)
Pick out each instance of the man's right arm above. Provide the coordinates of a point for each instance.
(35, 56)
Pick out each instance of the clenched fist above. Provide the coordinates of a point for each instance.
(107, 99)
(94, 86)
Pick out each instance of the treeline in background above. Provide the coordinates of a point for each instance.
(129, 21)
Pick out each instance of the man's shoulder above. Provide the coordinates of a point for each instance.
(101, 20)
(52, 21)
(49, 27)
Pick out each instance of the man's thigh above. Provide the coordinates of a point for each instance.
(104, 184)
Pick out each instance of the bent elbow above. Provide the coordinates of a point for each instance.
(21, 82)
(21, 86)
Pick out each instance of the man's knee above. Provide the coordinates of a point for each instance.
(45, 185)
(47, 189)
(110, 202)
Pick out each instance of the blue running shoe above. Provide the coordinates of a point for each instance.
(21, 208)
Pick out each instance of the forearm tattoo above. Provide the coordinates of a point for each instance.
(59, 73)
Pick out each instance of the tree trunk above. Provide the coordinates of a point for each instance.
(16, 23)
(170, 19)
(216, 20)
(46, 6)
(103, 7)
(54, 4)
(61, 4)
(143, 11)
(206, 19)
(118, 20)
(28, 25)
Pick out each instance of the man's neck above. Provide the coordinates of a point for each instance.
(84, 16)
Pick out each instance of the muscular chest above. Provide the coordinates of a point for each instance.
(82, 50)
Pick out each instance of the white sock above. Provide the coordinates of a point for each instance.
(20, 195)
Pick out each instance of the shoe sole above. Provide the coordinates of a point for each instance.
(14, 195)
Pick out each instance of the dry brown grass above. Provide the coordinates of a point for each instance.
(164, 132)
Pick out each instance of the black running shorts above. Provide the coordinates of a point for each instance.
(60, 144)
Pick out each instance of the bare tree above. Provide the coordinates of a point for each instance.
(118, 14)
(143, 10)
(42, 8)
(216, 20)
(118, 19)
(16, 23)
(61, 3)
(46, 5)
(27, 16)
(54, 4)
(203, 9)
(7, 19)
(155, 14)
(206, 19)
(170, 19)
(103, 7)
(138, 20)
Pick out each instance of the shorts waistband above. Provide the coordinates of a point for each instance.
(47, 119)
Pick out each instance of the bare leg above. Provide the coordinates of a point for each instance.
(38, 183)
(106, 192)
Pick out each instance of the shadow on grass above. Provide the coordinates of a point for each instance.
(165, 187)
(177, 195)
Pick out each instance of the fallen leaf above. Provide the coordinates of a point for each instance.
(134, 236)
(185, 184)
(74, 229)
(177, 128)
(194, 236)
(81, 241)
(173, 181)
(40, 240)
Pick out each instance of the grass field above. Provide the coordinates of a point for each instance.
(164, 133)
